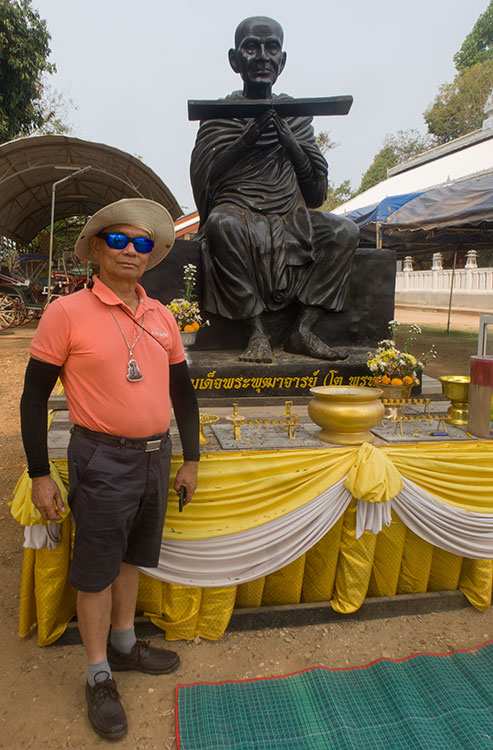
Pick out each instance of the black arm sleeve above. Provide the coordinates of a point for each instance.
(38, 385)
(186, 410)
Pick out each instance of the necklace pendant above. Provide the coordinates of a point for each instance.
(133, 372)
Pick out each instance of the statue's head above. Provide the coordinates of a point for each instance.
(258, 55)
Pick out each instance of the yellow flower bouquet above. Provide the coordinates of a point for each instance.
(391, 366)
(186, 309)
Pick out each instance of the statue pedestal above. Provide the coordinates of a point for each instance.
(220, 379)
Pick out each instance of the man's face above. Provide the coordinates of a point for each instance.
(119, 265)
(259, 58)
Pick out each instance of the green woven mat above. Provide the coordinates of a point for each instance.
(435, 702)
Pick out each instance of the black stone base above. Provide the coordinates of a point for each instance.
(364, 323)
(219, 375)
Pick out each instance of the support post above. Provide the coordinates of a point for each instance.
(52, 222)
(451, 292)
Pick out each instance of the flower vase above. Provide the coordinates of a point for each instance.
(394, 393)
(188, 339)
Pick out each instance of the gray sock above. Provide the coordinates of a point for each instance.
(98, 671)
(123, 640)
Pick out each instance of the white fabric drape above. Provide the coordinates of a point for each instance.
(235, 558)
(372, 516)
(42, 537)
(238, 558)
(452, 529)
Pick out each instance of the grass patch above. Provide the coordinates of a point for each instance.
(454, 349)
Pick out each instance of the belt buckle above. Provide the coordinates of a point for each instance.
(152, 445)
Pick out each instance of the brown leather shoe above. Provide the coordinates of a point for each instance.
(144, 658)
(104, 709)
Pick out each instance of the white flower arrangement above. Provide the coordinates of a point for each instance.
(186, 309)
(390, 366)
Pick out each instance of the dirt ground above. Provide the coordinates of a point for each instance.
(42, 689)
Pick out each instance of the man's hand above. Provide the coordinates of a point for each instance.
(47, 498)
(187, 476)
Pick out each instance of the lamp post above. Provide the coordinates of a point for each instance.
(50, 252)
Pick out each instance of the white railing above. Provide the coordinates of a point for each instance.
(472, 286)
(467, 280)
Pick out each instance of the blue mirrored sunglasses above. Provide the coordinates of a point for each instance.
(120, 241)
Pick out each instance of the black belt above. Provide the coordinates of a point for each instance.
(122, 442)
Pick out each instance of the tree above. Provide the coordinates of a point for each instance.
(336, 194)
(24, 51)
(459, 107)
(324, 141)
(478, 45)
(396, 148)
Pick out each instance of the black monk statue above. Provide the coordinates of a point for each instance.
(255, 182)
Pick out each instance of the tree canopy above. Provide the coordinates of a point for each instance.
(396, 148)
(459, 106)
(336, 194)
(24, 51)
(478, 45)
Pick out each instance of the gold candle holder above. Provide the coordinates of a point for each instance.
(456, 388)
(237, 421)
(205, 421)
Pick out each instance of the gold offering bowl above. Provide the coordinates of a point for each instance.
(205, 421)
(456, 388)
(345, 413)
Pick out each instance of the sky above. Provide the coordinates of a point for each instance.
(129, 68)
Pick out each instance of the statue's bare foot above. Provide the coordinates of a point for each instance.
(258, 349)
(305, 342)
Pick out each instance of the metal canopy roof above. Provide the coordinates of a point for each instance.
(30, 166)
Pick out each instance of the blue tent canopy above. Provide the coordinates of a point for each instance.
(459, 215)
(381, 211)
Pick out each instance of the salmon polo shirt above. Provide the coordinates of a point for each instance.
(80, 334)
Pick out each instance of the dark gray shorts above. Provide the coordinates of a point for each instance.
(118, 499)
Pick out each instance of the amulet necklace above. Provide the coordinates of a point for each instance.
(133, 372)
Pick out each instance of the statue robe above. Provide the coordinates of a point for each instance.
(264, 247)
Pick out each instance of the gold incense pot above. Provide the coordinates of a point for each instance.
(345, 413)
(456, 388)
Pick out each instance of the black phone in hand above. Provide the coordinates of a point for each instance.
(182, 498)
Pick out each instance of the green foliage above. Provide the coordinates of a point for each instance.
(65, 233)
(336, 195)
(396, 148)
(24, 51)
(478, 45)
(485, 258)
(459, 107)
(377, 171)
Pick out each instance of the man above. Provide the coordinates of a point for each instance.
(119, 356)
(253, 181)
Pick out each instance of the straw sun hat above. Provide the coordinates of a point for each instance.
(138, 212)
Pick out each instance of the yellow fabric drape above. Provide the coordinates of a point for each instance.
(339, 568)
(460, 474)
(242, 490)
(23, 510)
(373, 477)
